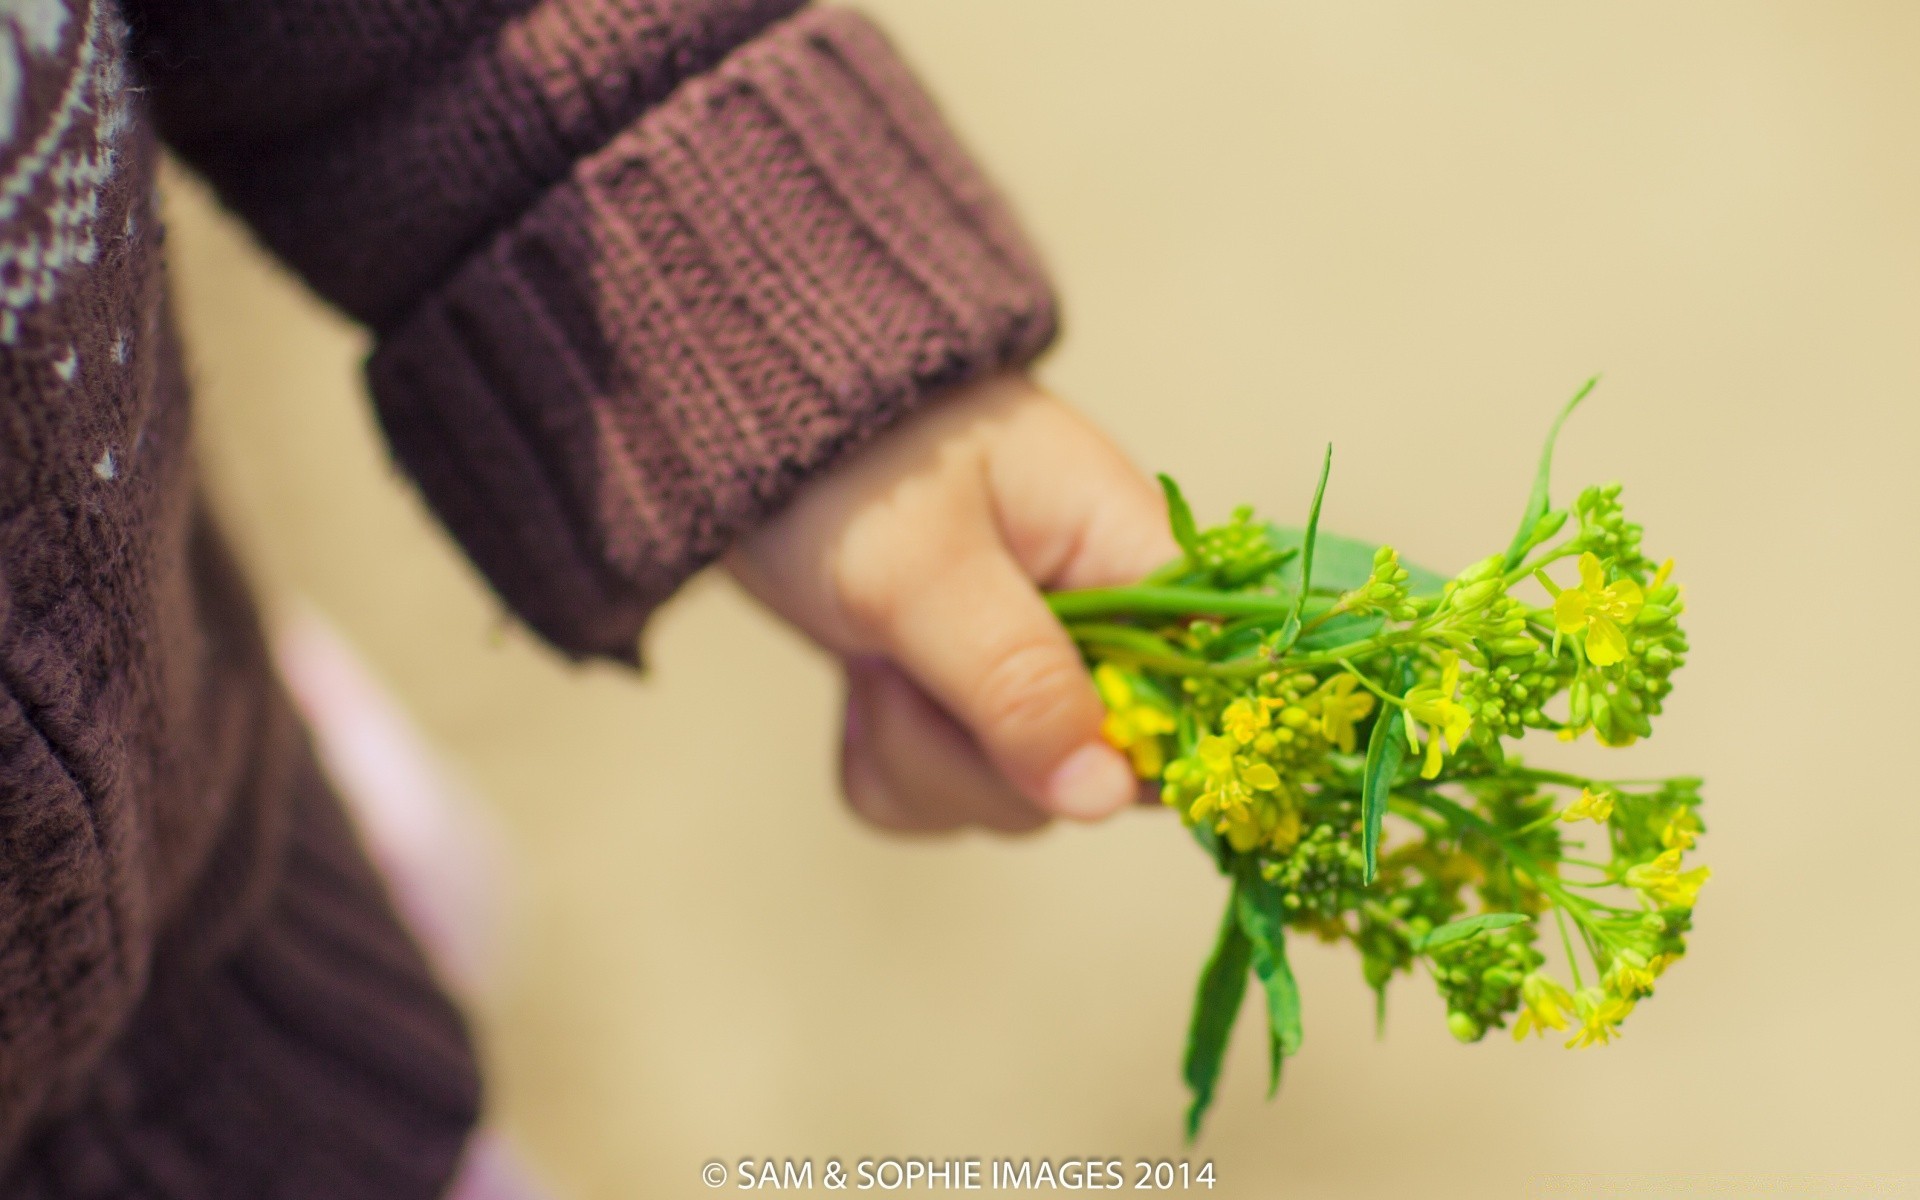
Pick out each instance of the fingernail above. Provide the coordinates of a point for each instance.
(1093, 782)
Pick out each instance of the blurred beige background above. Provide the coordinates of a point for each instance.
(1410, 229)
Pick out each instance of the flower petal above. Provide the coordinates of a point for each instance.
(1623, 600)
(1606, 645)
(1592, 577)
(1570, 611)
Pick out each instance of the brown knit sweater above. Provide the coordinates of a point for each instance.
(637, 269)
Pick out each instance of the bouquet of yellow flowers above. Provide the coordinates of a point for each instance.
(1291, 690)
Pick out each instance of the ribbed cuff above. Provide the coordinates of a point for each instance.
(764, 271)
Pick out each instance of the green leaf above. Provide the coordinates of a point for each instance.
(1386, 747)
(1180, 518)
(1466, 927)
(1341, 564)
(1335, 632)
(1537, 503)
(1292, 628)
(1223, 983)
(1263, 917)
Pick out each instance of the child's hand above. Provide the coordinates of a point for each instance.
(919, 561)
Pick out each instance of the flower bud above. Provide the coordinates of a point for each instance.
(1579, 698)
(1489, 568)
(1476, 595)
(1602, 712)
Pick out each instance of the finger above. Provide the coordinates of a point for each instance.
(861, 783)
(928, 764)
(1073, 509)
(977, 636)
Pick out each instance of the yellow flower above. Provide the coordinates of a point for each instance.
(1663, 881)
(1591, 806)
(1230, 779)
(1600, 1016)
(1544, 1005)
(1243, 720)
(1270, 821)
(1132, 726)
(1598, 609)
(1660, 576)
(1447, 720)
(1236, 793)
(1338, 707)
(1681, 830)
(1632, 976)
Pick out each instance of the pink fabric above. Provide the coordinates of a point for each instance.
(441, 853)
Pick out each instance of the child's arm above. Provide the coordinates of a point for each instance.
(640, 276)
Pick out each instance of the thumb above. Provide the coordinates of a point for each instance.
(977, 636)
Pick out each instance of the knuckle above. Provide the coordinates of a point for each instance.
(868, 590)
(1027, 685)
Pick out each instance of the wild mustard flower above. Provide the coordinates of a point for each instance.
(1282, 706)
(1598, 609)
(1338, 706)
(1244, 720)
(1682, 829)
(1544, 1005)
(1447, 720)
(1133, 725)
(1665, 883)
(1599, 1014)
(1631, 975)
(1230, 778)
(1591, 806)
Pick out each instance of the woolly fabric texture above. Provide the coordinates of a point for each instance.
(637, 270)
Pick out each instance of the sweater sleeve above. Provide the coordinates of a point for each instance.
(636, 269)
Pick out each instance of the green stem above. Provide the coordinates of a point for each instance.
(1542, 776)
(1573, 960)
(1539, 775)
(1360, 649)
(1542, 877)
(1340, 606)
(1143, 600)
(1370, 686)
(1128, 652)
(1525, 569)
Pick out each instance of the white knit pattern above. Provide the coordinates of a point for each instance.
(50, 188)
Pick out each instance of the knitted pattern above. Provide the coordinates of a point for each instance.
(637, 269)
(58, 155)
(757, 275)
